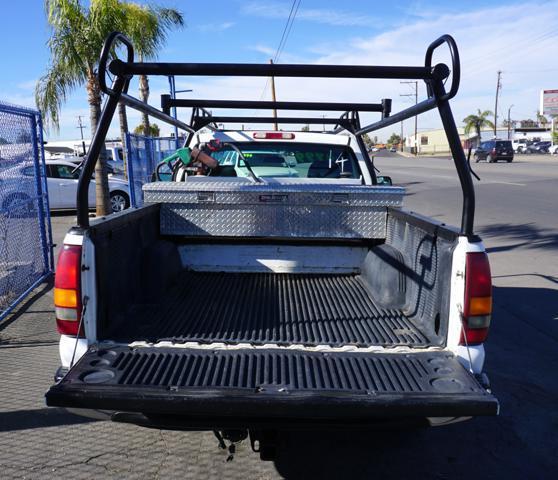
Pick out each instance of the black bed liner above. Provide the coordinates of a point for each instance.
(271, 383)
(260, 308)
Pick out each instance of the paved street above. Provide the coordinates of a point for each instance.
(517, 215)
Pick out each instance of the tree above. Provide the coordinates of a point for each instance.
(510, 124)
(76, 38)
(477, 122)
(154, 130)
(306, 128)
(367, 140)
(78, 31)
(529, 123)
(394, 139)
(147, 27)
(542, 120)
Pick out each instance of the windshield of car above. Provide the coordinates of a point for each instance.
(290, 159)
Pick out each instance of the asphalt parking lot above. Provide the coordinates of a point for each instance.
(517, 215)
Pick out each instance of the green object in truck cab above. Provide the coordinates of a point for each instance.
(182, 154)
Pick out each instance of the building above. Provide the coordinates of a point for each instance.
(432, 142)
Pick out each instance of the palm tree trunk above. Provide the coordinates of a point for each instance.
(144, 96)
(101, 177)
(123, 131)
(478, 129)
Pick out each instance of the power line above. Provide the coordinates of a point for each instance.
(284, 37)
(525, 44)
(288, 33)
(284, 32)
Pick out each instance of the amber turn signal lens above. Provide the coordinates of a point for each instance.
(480, 306)
(64, 297)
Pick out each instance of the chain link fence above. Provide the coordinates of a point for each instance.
(143, 155)
(25, 233)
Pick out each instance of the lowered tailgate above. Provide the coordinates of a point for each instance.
(271, 384)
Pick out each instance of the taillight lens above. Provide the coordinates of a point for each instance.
(494, 151)
(477, 310)
(67, 291)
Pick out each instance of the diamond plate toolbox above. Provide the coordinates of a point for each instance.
(239, 208)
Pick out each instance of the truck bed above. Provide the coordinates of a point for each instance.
(277, 308)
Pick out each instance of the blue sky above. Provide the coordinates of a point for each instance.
(519, 38)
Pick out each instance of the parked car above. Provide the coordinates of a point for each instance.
(393, 149)
(18, 187)
(539, 147)
(494, 150)
(62, 180)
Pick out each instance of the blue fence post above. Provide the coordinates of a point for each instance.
(130, 168)
(39, 175)
(46, 203)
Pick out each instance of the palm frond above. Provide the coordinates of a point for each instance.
(51, 92)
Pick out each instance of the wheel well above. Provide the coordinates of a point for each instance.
(122, 192)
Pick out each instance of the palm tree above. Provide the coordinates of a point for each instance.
(542, 120)
(477, 122)
(147, 28)
(77, 36)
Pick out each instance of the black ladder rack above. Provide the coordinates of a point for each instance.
(434, 77)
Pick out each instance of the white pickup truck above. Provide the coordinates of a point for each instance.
(286, 287)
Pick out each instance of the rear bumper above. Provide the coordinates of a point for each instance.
(219, 408)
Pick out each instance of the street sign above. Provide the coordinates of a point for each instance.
(549, 102)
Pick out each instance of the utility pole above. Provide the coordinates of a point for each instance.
(81, 127)
(416, 117)
(273, 97)
(509, 121)
(401, 137)
(498, 86)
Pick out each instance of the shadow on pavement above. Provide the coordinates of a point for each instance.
(526, 235)
(30, 300)
(38, 418)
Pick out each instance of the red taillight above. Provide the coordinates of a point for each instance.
(477, 309)
(494, 151)
(274, 135)
(67, 290)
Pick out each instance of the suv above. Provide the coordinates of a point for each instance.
(494, 150)
(520, 144)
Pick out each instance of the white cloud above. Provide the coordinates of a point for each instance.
(268, 51)
(215, 27)
(27, 85)
(317, 15)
